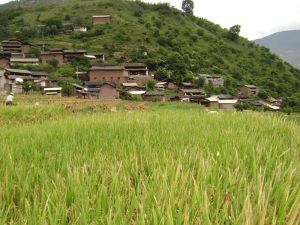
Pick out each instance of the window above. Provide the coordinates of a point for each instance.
(103, 78)
(119, 78)
(95, 78)
(111, 78)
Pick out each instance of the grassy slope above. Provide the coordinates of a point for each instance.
(192, 43)
(168, 166)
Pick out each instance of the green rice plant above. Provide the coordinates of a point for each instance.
(171, 165)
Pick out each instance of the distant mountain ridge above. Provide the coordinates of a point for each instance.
(286, 44)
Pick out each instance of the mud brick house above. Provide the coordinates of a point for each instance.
(137, 73)
(215, 80)
(45, 57)
(108, 73)
(24, 61)
(70, 55)
(108, 91)
(4, 62)
(249, 90)
(102, 19)
(154, 96)
(191, 95)
(15, 46)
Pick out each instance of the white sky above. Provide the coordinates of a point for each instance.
(258, 18)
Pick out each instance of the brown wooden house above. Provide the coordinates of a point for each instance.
(108, 73)
(46, 57)
(102, 19)
(249, 90)
(154, 96)
(15, 46)
(70, 55)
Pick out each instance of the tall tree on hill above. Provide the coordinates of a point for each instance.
(188, 7)
(234, 32)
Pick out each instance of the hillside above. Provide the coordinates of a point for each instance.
(177, 46)
(286, 44)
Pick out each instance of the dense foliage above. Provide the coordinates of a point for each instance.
(173, 44)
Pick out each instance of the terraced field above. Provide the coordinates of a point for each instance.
(138, 163)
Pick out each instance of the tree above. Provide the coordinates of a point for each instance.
(150, 85)
(27, 87)
(234, 32)
(53, 62)
(188, 7)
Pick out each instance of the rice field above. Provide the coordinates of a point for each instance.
(160, 164)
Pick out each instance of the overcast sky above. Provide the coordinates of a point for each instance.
(258, 18)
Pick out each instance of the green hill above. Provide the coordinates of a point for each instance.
(177, 45)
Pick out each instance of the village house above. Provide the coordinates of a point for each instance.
(108, 91)
(70, 55)
(15, 46)
(191, 95)
(133, 88)
(187, 85)
(108, 73)
(46, 57)
(24, 61)
(171, 85)
(14, 79)
(102, 19)
(249, 90)
(221, 102)
(215, 80)
(154, 96)
(4, 62)
(137, 73)
(98, 55)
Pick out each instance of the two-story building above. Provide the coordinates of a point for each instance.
(215, 80)
(46, 57)
(15, 46)
(249, 90)
(108, 73)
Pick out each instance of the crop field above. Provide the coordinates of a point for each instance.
(137, 163)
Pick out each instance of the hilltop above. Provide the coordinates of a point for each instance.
(286, 44)
(171, 43)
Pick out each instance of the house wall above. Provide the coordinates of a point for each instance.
(47, 57)
(25, 49)
(140, 80)
(214, 104)
(116, 76)
(101, 20)
(172, 86)
(248, 91)
(4, 63)
(2, 83)
(226, 106)
(108, 92)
